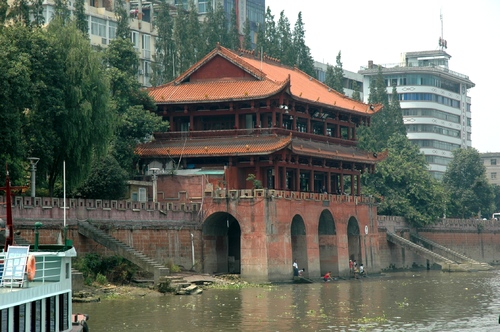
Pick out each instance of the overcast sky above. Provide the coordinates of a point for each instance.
(381, 30)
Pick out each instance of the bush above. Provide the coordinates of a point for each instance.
(115, 269)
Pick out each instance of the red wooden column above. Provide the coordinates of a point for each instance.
(283, 179)
(329, 183)
(352, 184)
(358, 184)
(172, 123)
(276, 176)
(297, 176)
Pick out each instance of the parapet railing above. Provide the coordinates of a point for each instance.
(182, 202)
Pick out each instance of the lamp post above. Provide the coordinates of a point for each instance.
(155, 182)
(33, 162)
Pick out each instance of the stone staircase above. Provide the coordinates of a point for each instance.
(138, 258)
(451, 254)
(447, 264)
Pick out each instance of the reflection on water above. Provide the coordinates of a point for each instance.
(406, 301)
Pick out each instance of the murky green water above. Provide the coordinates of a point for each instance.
(406, 301)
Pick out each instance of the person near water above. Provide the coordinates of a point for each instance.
(361, 270)
(327, 276)
(295, 268)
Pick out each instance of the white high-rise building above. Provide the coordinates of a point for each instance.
(434, 100)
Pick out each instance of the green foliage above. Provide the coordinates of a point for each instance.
(101, 279)
(407, 188)
(465, 180)
(285, 50)
(122, 29)
(107, 180)
(81, 17)
(163, 66)
(247, 41)
(257, 184)
(98, 268)
(303, 60)
(385, 123)
(338, 75)
(233, 37)
(356, 95)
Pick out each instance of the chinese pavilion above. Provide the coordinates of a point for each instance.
(247, 125)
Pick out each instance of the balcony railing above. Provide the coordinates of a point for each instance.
(180, 135)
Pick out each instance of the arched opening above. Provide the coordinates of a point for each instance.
(299, 243)
(354, 240)
(221, 244)
(327, 238)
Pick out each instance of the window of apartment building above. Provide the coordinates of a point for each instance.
(182, 3)
(134, 35)
(493, 175)
(147, 73)
(98, 27)
(112, 30)
(202, 6)
(146, 46)
(493, 162)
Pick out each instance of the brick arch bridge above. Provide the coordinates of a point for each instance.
(260, 236)
(257, 232)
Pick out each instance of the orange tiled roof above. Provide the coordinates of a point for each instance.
(214, 147)
(334, 151)
(253, 145)
(270, 79)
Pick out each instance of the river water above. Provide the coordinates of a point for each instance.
(399, 301)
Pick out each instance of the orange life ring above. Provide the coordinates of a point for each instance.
(31, 267)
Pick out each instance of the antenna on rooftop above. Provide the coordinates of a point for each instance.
(442, 42)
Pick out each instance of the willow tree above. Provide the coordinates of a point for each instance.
(69, 119)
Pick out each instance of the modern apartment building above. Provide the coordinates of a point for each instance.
(350, 78)
(435, 103)
(102, 23)
(434, 100)
(491, 160)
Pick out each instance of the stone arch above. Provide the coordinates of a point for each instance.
(299, 242)
(354, 240)
(327, 239)
(221, 234)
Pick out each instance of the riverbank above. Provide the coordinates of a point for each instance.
(145, 288)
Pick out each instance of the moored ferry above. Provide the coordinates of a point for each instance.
(35, 284)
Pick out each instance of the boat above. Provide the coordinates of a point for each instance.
(35, 282)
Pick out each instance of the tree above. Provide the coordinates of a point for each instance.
(356, 95)
(19, 12)
(4, 6)
(81, 17)
(233, 33)
(247, 41)
(62, 11)
(404, 183)
(69, 119)
(303, 59)
(465, 180)
(385, 123)
(163, 66)
(214, 27)
(270, 45)
(37, 12)
(15, 94)
(122, 29)
(182, 47)
(106, 181)
(338, 75)
(284, 41)
(329, 76)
